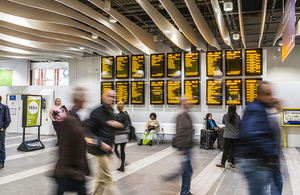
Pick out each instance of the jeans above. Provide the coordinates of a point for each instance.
(187, 172)
(2, 147)
(258, 176)
(70, 185)
(277, 181)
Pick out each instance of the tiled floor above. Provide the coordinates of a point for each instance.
(29, 173)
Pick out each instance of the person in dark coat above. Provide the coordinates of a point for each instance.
(4, 123)
(258, 141)
(103, 125)
(212, 125)
(72, 165)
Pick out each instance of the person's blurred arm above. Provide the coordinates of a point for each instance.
(7, 118)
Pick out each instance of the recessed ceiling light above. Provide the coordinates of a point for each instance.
(280, 43)
(236, 36)
(112, 19)
(82, 48)
(94, 36)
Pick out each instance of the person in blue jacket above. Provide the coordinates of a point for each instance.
(258, 143)
(4, 123)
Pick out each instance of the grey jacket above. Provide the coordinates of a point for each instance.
(231, 131)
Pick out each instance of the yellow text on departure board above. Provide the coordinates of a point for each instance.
(157, 92)
(105, 87)
(122, 92)
(253, 62)
(174, 92)
(174, 64)
(107, 67)
(191, 91)
(191, 64)
(233, 62)
(137, 66)
(251, 89)
(233, 93)
(214, 92)
(137, 92)
(214, 63)
(157, 65)
(122, 66)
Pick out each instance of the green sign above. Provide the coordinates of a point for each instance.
(33, 111)
(6, 77)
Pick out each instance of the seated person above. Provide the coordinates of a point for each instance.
(211, 124)
(150, 127)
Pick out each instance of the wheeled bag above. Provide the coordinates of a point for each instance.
(206, 139)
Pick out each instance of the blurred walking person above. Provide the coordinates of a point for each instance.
(232, 121)
(72, 164)
(57, 114)
(184, 143)
(122, 135)
(258, 144)
(4, 123)
(103, 124)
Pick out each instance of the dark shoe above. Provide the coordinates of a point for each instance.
(187, 194)
(1, 166)
(150, 143)
(140, 142)
(232, 165)
(121, 169)
(220, 165)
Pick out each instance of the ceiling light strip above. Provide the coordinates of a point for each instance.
(241, 21)
(263, 19)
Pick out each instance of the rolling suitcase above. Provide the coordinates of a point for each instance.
(206, 139)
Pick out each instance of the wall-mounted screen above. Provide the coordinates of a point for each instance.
(157, 66)
(156, 92)
(251, 89)
(191, 64)
(137, 92)
(122, 88)
(214, 63)
(192, 91)
(174, 92)
(107, 67)
(214, 93)
(253, 61)
(233, 63)
(174, 65)
(233, 88)
(122, 67)
(137, 66)
(105, 87)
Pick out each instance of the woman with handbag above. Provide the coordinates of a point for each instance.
(150, 127)
(122, 135)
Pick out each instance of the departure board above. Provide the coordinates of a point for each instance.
(233, 63)
(156, 92)
(192, 91)
(233, 88)
(107, 67)
(214, 93)
(122, 67)
(214, 63)
(251, 89)
(253, 61)
(157, 66)
(191, 64)
(105, 87)
(174, 92)
(174, 65)
(137, 66)
(137, 92)
(122, 88)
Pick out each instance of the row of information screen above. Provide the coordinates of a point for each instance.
(214, 91)
(233, 64)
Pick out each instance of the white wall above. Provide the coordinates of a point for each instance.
(20, 71)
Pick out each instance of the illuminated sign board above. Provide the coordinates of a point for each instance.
(156, 92)
(233, 63)
(233, 88)
(105, 87)
(137, 92)
(157, 65)
(214, 93)
(251, 89)
(174, 65)
(122, 88)
(137, 66)
(191, 64)
(122, 66)
(253, 61)
(174, 92)
(107, 67)
(214, 63)
(192, 91)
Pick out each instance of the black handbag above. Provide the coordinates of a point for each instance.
(150, 128)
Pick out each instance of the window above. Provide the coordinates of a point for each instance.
(49, 77)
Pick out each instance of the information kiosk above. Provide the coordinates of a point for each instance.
(290, 117)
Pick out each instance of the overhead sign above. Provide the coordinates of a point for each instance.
(122, 66)
(105, 87)
(32, 112)
(137, 66)
(192, 91)
(233, 63)
(191, 64)
(107, 67)
(233, 91)
(174, 92)
(156, 92)
(251, 89)
(214, 92)
(122, 88)
(288, 28)
(214, 63)
(137, 92)
(253, 61)
(174, 65)
(157, 66)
